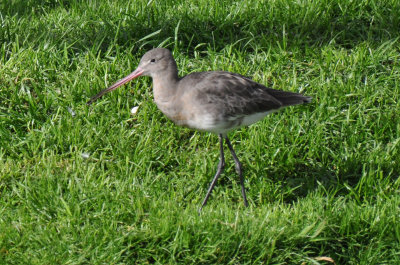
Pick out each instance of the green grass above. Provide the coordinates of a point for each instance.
(322, 179)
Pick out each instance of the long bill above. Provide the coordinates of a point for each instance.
(131, 76)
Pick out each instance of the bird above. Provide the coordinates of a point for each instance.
(212, 101)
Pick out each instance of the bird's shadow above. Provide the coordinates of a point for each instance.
(288, 185)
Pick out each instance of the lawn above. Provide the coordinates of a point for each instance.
(97, 185)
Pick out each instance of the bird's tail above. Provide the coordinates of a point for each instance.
(289, 98)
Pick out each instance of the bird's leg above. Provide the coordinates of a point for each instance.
(238, 167)
(221, 166)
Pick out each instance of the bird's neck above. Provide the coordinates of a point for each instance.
(165, 87)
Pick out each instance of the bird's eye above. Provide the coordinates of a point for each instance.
(153, 60)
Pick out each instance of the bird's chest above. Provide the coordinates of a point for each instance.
(173, 112)
(171, 108)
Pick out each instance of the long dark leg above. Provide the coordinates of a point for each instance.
(238, 167)
(221, 166)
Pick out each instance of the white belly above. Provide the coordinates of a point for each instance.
(210, 123)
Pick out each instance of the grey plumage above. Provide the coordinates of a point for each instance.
(214, 101)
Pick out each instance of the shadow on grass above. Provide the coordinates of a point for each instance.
(353, 178)
(248, 34)
(287, 184)
(282, 23)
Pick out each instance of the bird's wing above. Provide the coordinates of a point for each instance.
(232, 95)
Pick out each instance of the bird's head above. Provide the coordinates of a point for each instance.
(156, 62)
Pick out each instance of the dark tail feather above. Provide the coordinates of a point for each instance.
(289, 98)
(295, 100)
